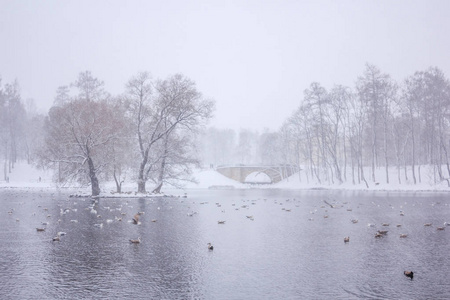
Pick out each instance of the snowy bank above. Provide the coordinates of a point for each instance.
(24, 176)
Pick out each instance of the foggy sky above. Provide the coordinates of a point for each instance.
(255, 58)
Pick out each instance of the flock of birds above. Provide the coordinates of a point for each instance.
(136, 220)
(382, 233)
(92, 208)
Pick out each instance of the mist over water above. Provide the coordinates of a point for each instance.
(274, 244)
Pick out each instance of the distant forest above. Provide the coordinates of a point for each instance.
(337, 135)
(156, 131)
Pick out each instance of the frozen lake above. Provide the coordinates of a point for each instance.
(274, 244)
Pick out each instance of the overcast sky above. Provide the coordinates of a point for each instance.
(255, 58)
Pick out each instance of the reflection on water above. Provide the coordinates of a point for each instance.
(287, 250)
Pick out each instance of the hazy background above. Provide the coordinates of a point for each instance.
(254, 58)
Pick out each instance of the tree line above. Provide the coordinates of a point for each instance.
(153, 132)
(345, 134)
(145, 134)
(378, 124)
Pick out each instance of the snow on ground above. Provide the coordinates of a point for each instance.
(25, 176)
(300, 181)
(211, 179)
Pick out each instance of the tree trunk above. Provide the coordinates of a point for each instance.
(345, 156)
(118, 183)
(157, 190)
(141, 186)
(386, 160)
(163, 166)
(413, 154)
(141, 179)
(94, 180)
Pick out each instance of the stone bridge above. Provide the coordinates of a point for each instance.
(276, 173)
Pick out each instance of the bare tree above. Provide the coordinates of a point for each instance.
(13, 115)
(335, 114)
(176, 155)
(376, 91)
(78, 137)
(176, 104)
(62, 95)
(89, 88)
(426, 96)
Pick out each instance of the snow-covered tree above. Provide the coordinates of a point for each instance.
(79, 136)
(176, 105)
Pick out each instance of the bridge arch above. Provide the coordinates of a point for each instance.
(276, 173)
(258, 177)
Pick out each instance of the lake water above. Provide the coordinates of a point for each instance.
(287, 250)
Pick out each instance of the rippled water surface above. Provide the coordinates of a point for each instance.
(287, 250)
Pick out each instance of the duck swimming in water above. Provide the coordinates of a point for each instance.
(136, 218)
(409, 274)
(346, 239)
(210, 247)
(137, 241)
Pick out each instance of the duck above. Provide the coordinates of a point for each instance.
(427, 224)
(346, 239)
(137, 241)
(136, 218)
(440, 228)
(378, 235)
(40, 229)
(221, 222)
(409, 274)
(56, 239)
(210, 247)
(403, 235)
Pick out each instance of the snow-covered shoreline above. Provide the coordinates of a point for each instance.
(26, 177)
